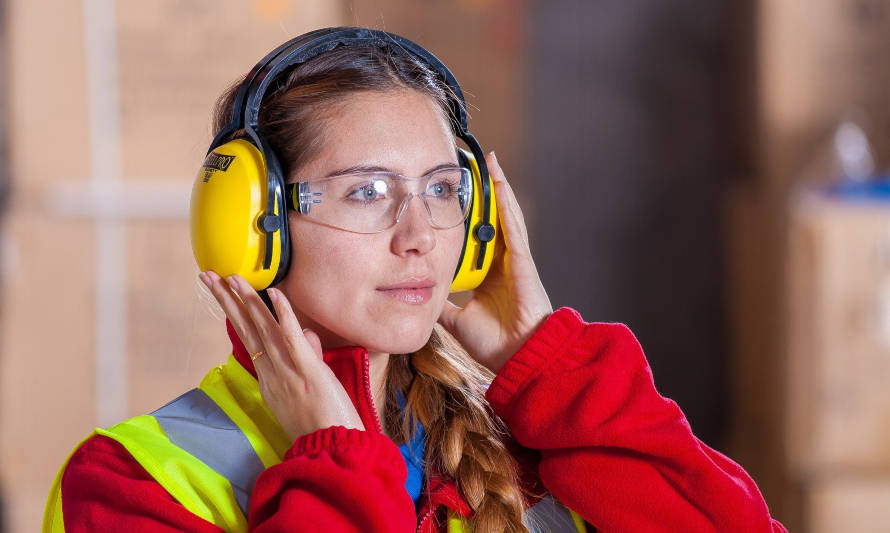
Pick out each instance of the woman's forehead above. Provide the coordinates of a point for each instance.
(404, 131)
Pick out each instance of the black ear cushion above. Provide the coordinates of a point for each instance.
(275, 183)
(465, 163)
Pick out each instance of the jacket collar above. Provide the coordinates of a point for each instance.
(350, 365)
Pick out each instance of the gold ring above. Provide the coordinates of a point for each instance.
(256, 355)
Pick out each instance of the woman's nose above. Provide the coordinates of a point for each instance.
(413, 231)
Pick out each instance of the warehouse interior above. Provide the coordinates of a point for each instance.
(712, 174)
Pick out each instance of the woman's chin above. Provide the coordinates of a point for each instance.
(401, 346)
(401, 338)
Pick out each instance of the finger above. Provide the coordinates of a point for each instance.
(314, 341)
(267, 328)
(499, 176)
(294, 338)
(449, 315)
(509, 212)
(507, 196)
(234, 310)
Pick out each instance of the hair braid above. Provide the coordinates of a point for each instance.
(464, 439)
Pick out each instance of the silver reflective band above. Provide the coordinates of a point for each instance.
(549, 516)
(197, 425)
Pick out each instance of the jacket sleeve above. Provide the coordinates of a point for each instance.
(611, 447)
(105, 489)
(334, 479)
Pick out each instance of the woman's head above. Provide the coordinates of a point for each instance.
(369, 107)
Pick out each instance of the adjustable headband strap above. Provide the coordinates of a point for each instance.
(303, 51)
(237, 122)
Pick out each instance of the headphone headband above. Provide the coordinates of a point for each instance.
(237, 123)
(245, 112)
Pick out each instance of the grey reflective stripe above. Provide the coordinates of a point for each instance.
(197, 425)
(550, 516)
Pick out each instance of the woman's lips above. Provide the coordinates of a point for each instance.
(413, 290)
(414, 296)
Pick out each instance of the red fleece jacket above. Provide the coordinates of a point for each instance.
(579, 400)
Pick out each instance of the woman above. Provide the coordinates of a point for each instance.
(357, 397)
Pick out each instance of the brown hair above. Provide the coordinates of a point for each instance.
(443, 386)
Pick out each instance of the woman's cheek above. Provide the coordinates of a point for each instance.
(455, 244)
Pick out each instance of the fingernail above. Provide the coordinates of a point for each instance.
(494, 156)
(233, 282)
(203, 277)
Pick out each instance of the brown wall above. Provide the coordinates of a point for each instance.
(172, 59)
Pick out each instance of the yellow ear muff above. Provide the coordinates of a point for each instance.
(228, 199)
(469, 277)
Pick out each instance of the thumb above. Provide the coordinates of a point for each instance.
(315, 342)
(449, 316)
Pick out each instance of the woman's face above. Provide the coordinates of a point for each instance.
(337, 280)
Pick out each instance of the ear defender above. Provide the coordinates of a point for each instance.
(471, 268)
(230, 230)
(238, 214)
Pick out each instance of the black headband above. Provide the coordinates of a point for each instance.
(245, 113)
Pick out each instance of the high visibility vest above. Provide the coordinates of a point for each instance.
(208, 446)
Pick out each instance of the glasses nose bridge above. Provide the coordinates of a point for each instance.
(404, 207)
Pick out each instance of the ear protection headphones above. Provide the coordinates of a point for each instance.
(238, 214)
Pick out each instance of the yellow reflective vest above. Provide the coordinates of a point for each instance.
(208, 446)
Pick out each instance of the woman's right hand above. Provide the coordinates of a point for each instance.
(300, 389)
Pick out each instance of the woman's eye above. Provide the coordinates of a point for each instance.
(370, 192)
(367, 193)
(443, 188)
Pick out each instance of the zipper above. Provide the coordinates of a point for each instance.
(432, 510)
(425, 518)
(366, 371)
(366, 375)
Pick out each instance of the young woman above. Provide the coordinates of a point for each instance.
(357, 397)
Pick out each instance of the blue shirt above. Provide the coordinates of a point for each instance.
(412, 452)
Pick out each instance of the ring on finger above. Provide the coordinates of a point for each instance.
(257, 355)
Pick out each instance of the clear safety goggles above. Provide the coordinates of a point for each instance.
(371, 202)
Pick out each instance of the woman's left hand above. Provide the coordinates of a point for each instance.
(511, 302)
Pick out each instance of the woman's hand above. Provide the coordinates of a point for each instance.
(300, 389)
(511, 302)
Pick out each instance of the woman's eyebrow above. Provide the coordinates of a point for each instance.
(368, 168)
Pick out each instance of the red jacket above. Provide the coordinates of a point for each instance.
(579, 400)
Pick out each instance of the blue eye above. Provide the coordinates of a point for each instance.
(367, 193)
(370, 192)
(446, 187)
(440, 189)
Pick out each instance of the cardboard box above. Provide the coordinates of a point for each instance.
(838, 336)
(854, 504)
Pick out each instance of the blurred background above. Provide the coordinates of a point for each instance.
(709, 173)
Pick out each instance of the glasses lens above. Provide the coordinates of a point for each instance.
(363, 203)
(447, 195)
(368, 203)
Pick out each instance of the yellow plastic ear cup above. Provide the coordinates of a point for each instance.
(469, 277)
(228, 198)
